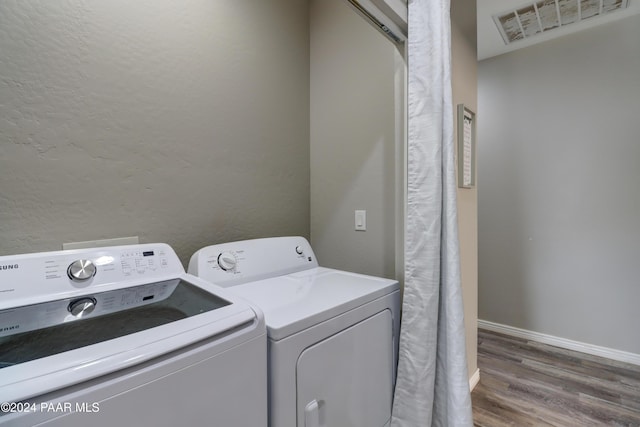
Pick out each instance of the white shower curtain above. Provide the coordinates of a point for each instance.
(432, 388)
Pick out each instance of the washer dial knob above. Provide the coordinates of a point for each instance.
(81, 270)
(227, 261)
(82, 306)
(299, 250)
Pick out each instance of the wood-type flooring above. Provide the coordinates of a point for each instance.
(526, 383)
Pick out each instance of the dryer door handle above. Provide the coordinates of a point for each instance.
(312, 414)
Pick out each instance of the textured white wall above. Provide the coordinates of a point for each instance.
(182, 121)
(559, 203)
(352, 140)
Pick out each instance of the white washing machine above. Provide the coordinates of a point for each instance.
(123, 336)
(333, 335)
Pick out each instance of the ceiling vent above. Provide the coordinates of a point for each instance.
(545, 15)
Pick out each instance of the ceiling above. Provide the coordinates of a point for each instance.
(491, 43)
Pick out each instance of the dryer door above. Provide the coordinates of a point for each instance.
(346, 379)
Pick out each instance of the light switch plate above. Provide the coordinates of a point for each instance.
(361, 220)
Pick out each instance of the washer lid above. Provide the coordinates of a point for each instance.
(42, 352)
(300, 300)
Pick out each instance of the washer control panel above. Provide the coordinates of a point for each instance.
(33, 278)
(230, 263)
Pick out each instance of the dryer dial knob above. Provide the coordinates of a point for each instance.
(81, 270)
(82, 306)
(227, 261)
(299, 250)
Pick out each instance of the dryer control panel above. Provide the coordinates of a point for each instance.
(228, 264)
(33, 278)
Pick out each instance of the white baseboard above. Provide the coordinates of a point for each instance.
(474, 380)
(596, 350)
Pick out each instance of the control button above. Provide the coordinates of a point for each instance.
(227, 261)
(299, 250)
(82, 306)
(81, 270)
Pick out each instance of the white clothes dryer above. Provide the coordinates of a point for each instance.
(333, 335)
(123, 336)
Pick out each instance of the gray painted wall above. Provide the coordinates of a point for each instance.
(464, 79)
(559, 202)
(184, 121)
(352, 140)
